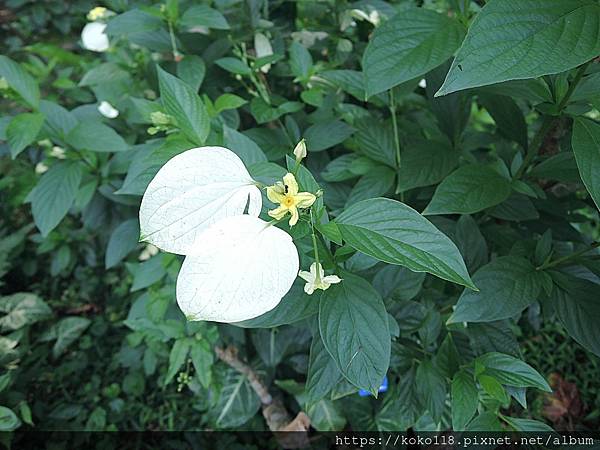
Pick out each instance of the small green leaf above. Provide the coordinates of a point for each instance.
(203, 16)
(54, 194)
(575, 301)
(233, 65)
(68, 331)
(191, 69)
(586, 146)
(22, 131)
(300, 60)
(8, 419)
(248, 151)
(182, 102)
(229, 101)
(123, 240)
(97, 137)
(512, 371)
(431, 388)
(464, 400)
(18, 79)
(177, 358)
(322, 136)
(468, 190)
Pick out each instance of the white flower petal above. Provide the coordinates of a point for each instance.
(94, 38)
(192, 191)
(108, 110)
(241, 268)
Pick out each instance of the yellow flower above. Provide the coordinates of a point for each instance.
(316, 279)
(300, 150)
(289, 199)
(96, 13)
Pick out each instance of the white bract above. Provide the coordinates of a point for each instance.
(240, 269)
(191, 192)
(108, 110)
(263, 48)
(204, 204)
(94, 38)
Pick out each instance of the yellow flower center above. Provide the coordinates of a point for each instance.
(289, 201)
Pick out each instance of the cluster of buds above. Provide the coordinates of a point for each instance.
(160, 122)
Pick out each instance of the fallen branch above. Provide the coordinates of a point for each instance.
(275, 414)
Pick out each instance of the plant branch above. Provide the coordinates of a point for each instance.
(566, 258)
(274, 412)
(548, 122)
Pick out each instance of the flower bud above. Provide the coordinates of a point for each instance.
(300, 150)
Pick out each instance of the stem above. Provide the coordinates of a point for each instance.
(559, 261)
(173, 41)
(536, 143)
(315, 248)
(395, 126)
(548, 122)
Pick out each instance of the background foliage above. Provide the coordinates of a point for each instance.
(498, 147)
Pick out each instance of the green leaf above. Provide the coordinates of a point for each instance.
(97, 137)
(431, 388)
(54, 194)
(326, 416)
(508, 117)
(468, 190)
(395, 233)
(575, 301)
(104, 73)
(300, 61)
(248, 151)
(229, 101)
(22, 309)
(182, 102)
(177, 358)
(354, 327)
(233, 65)
(375, 183)
(464, 400)
(22, 131)
(123, 240)
(202, 359)
(323, 373)
(237, 403)
(425, 163)
(322, 136)
(507, 286)
(407, 46)
(8, 419)
(191, 69)
(586, 146)
(376, 141)
(493, 388)
(203, 16)
(68, 331)
(528, 425)
(133, 21)
(59, 121)
(18, 79)
(485, 421)
(512, 371)
(524, 39)
(296, 305)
